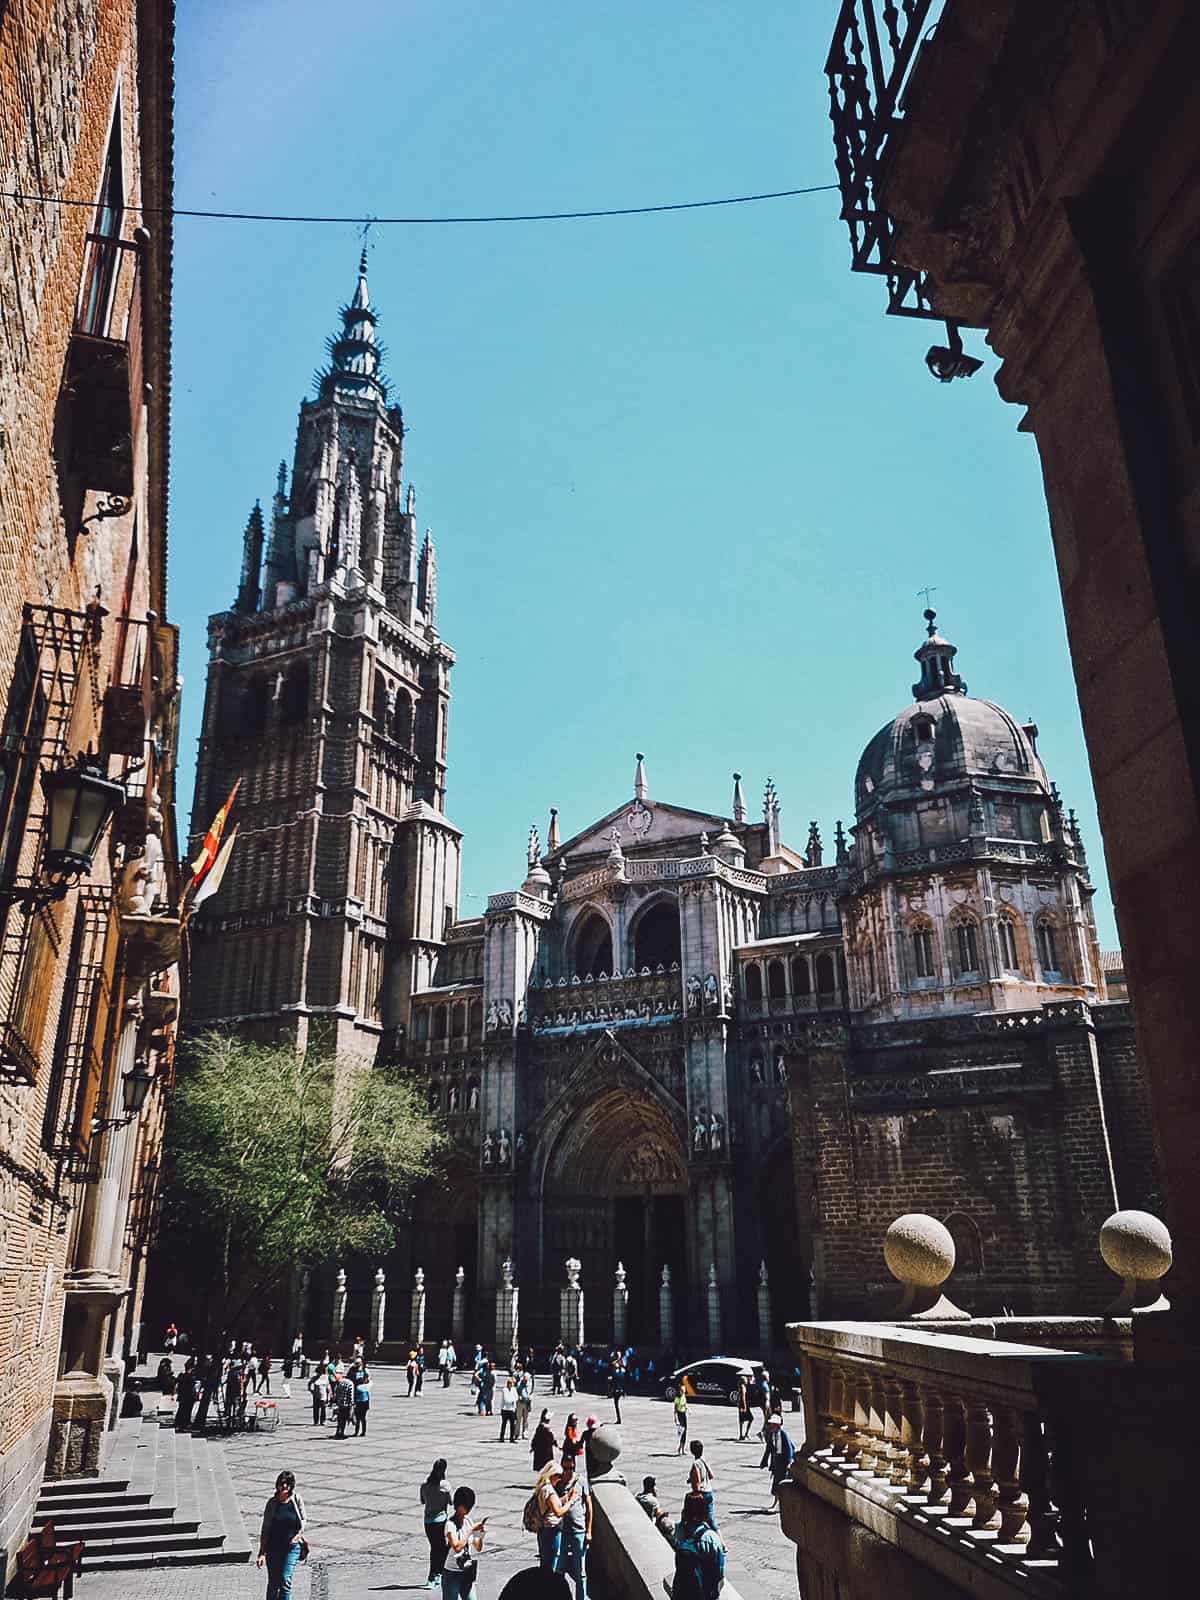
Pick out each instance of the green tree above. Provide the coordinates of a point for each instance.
(277, 1160)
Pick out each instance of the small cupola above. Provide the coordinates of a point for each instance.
(936, 660)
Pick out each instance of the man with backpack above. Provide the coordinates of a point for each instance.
(699, 1554)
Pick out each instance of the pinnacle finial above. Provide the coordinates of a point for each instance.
(930, 621)
(362, 263)
(535, 848)
(640, 790)
(739, 799)
(552, 831)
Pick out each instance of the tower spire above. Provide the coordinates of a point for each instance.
(252, 552)
(771, 816)
(427, 579)
(355, 354)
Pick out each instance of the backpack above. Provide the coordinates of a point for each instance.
(533, 1518)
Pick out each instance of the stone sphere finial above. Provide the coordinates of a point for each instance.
(603, 1448)
(1137, 1247)
(919, 1252)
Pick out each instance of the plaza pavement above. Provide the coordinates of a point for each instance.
(365, 1519)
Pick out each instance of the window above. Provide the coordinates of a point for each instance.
(294, 700)
(656, 937)
(922, 944)
(402, 721)
(476, 1016)
(801, 976)
(968, 1246)
(256, 698)
(826, 981)
(753, 982)
(1008, 946)
(776, 982)
(459, 1024)
(100, 271)
(1047, 946)
(593, 947)
(923, 727)
(869, 960)
(966, 945)
(420, 1025)
(439, 1023)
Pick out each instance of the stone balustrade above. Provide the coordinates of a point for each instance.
(624, 997)
(952, 1446)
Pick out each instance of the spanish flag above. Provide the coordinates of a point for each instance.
(203, 863)
(213, 880)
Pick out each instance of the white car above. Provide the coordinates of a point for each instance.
(714, 1379)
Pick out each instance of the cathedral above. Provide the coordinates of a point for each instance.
(684, 1064)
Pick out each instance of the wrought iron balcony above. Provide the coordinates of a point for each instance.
(102, 385)
(871, 60)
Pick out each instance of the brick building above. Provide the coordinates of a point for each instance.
(89, 949)
(681, 1045)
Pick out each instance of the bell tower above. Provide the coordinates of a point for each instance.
(327, 697)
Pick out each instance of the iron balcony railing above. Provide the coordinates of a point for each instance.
(871, 59)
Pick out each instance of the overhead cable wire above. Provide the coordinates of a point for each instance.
(530, 216)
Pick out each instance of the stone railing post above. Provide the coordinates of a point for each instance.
(934, 1423)
(339, 1306)
(763, 1297)
(1012, 1503)
(507, 1310)
(378, 1308)
(458, 1312)
(714, 1308)
(979, 1460)
(571, 1320)
(620, 1306)
(666, 1310)
(417, 1321)
(957, 1477)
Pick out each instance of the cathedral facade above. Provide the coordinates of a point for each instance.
(682, 1061)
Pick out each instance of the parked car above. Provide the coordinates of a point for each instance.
(714, 1379)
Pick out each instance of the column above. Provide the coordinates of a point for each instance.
(417, 1321)
(339, 1306)
(714, 1308)
(620, 1307)
(666, 1310)
(763, 1297)
(458, 1310)
(378, 1308)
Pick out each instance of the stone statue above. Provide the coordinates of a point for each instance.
(693, 993)
(716, 1134)
(727, 989)
(699, 1134)
(493, 1016)
(712, 994)
(145, 875)
(488, 1151)
(453, 1097)
(473, 1100)
(505, 1013)
(503, 1146)
(781, 1072)
(756, 1072)
(520, 1146)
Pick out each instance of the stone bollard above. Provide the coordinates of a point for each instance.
(507, 1310)
(714, 1309)
(458, 1310)
(417, 1323)
(763, 1296)
(378, 1307)
(919, 1252)
(339, 1306)
(571, 1321)
(1137, 1247)
(603, 1448)
(620, 1306)
(666, 1310)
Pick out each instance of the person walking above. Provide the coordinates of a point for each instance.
(557, 1362)
(234, 1401)
(487, 1386)
(451, 1362)
(264, 1373)
(209, 1383)
(699, 1554)
(464, 1546)
(343, 1403)
(420, 1371)
(280, 1539)
(524, 1400)
(361, 1379)
(554, 1490)
(571, 1371)
(745, 1415)
(318, 1387)
(576, 1527)
(544, 1443)
(411, 1371)
(435, 1498)
(442, 1361)
(766, 1399)
(508, 1410)
(571, 1445)
(185, 1395)
(701, 1478)
(680, 1409)
(250, 1367)
(616, 1387)
(778, 1455)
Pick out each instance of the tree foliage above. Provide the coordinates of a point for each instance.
(278, 1160)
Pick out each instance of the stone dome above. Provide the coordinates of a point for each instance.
(945, 738)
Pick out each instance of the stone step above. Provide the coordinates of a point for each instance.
(121, 1561)
(81, 1513)
(128, 1534)
(150, 1546)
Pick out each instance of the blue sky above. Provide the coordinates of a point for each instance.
(684, 475)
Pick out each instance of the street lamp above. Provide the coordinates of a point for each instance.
(135, 1086)
(80, 800)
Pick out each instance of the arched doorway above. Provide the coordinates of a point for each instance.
(443, 1236)
(614, 1188)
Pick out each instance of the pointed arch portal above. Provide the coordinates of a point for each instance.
(614, 1188)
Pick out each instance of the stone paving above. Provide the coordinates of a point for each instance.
(364, 1515)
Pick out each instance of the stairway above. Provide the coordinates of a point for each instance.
(166, 1500)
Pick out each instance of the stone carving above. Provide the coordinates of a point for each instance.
(756, 1071)
(716, 1134)
(712, 993)
(473, 1098)
(145, 875)
(520, 1147)
(503, 1147)
(781, 1071)
(493, 1016)
(489, 1150)
(453, 1101)
(699, 1133)
(639, 819)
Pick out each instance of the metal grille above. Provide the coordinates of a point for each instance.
(79, 1048)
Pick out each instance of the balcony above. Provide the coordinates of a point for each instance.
(102, 384)
(128, 698)
(626, 999)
